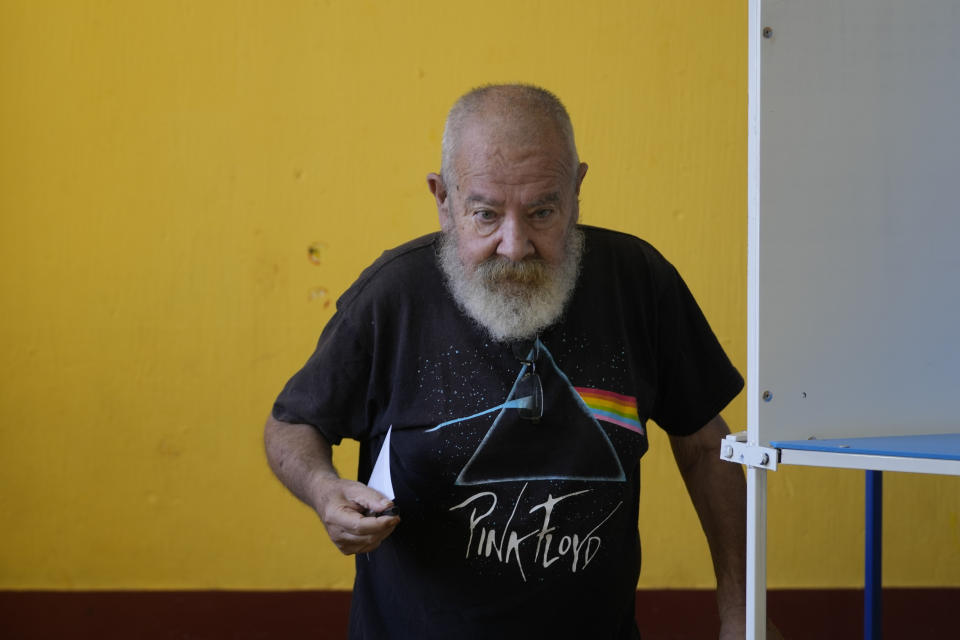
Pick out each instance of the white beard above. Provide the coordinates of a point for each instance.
(512, 300)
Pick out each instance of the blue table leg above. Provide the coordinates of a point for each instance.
(873, 584)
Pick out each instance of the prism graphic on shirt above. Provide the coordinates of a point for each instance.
(566, 443)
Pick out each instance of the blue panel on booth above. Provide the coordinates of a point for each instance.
(941, 446)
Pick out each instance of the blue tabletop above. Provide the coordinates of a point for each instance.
(942, 447)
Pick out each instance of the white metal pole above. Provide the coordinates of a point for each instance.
(756, 477)
(756, 553)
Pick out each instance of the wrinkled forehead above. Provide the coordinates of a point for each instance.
(504, 146)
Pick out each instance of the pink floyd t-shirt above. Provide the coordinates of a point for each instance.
(516, 467)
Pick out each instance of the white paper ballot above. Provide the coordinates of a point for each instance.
(380, 478)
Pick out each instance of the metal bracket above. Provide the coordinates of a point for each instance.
(735, 448)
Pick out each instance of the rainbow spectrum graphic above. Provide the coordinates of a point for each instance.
(566, 443)
(612, 407)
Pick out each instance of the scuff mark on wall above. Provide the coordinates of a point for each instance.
(319, 293)
(315, 251)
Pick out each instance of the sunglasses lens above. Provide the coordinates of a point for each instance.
(531, 390)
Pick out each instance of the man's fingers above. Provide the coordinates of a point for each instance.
(353, 541)
(357, 522)
(346, 513)
(351, 526)
(368, 500)
(349, 543)
(349, 549)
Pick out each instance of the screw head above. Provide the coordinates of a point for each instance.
(767, 32)
(767, 396)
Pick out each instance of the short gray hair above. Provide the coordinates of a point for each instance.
(518, 100)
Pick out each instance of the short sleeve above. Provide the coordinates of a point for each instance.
(329, 392)
(696, 379)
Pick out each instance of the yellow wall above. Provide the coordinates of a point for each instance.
(164, 167)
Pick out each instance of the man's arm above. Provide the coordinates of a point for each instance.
(303, 461)
(719, 494)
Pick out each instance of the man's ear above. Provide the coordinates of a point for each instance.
(439, 190)
(581, 174)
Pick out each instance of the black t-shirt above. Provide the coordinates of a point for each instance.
(511, 528)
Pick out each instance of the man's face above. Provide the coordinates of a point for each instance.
(511, 249)
(512, 200)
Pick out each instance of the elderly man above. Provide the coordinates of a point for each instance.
(502, 372)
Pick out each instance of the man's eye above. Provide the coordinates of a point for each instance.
(485, 215)
(540, 214)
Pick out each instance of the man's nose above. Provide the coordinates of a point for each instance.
(515, 242)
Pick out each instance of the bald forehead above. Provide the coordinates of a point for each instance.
(491, 145)
(516, 127)
(515, 118)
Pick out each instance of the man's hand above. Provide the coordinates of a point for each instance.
(301, 458)
(343, 506)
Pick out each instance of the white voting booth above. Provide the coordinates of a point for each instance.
(854, 247)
